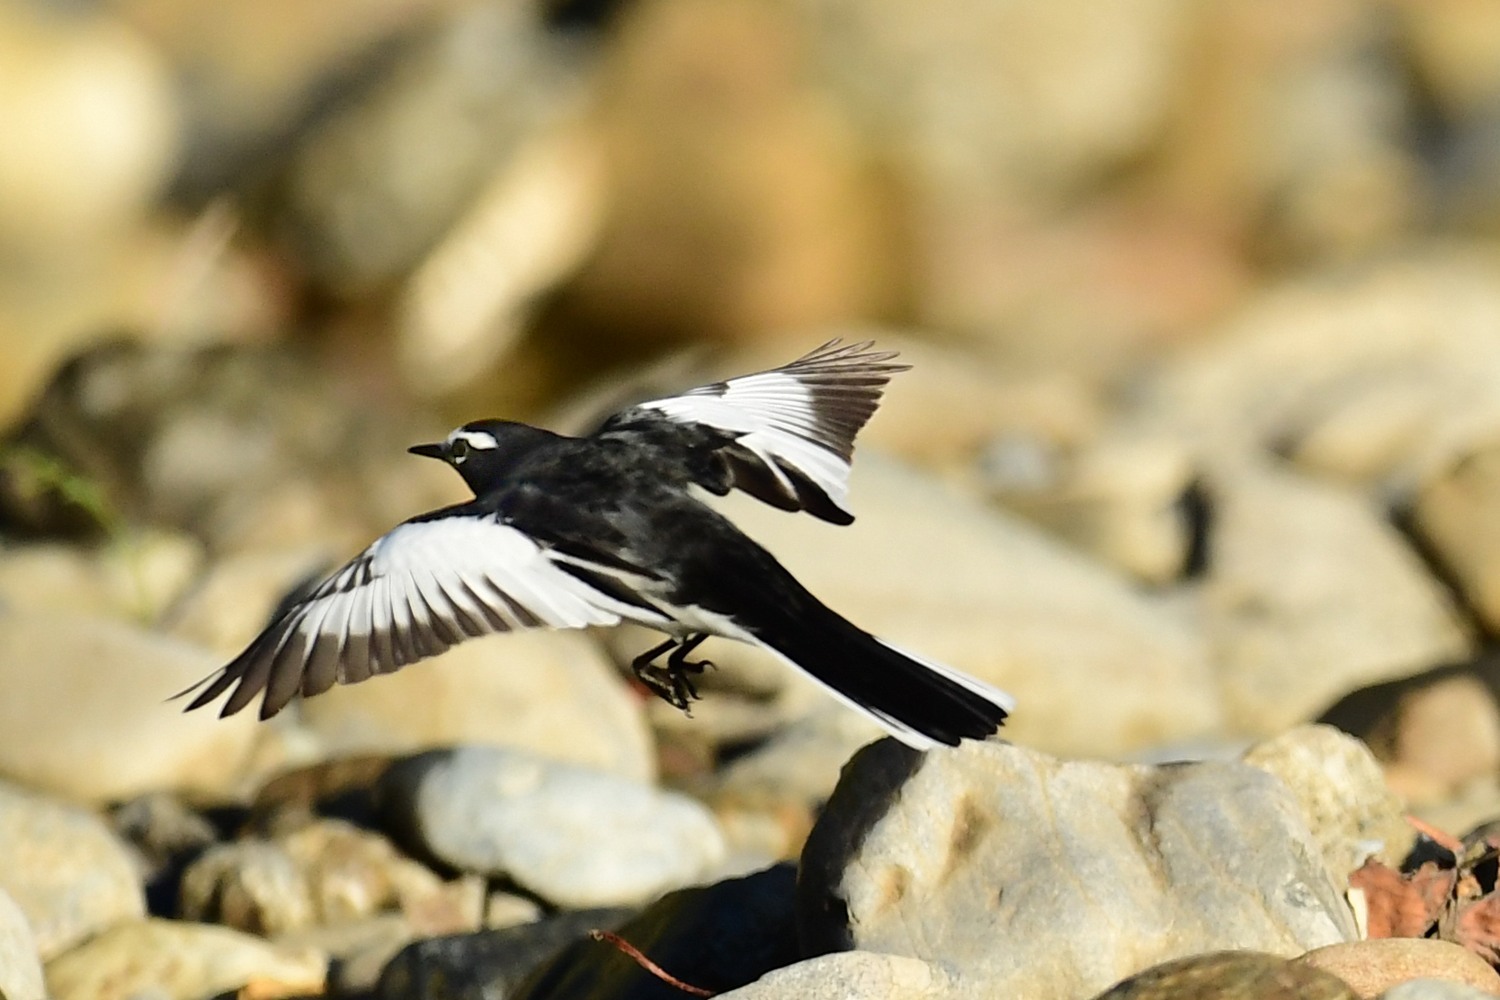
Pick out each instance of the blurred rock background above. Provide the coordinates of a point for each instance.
(1201, 443)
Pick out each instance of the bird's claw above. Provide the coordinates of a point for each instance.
(671, 682)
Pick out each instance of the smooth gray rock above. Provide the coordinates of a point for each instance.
(20, 964)
(1434, 989)
(1088, 871)
(852, 975)
(576, 837)
(65, 869)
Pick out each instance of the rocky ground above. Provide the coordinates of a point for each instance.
(1199, 457)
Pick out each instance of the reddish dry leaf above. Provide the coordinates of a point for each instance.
(1403, 906)
(1478, 928)
(1436, 886)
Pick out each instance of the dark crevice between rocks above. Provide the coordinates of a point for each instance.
(580, 17)
(717, 937)
(1402, 517)
(1195, 510)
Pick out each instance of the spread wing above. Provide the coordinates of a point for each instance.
(422, 588)
(787, 435)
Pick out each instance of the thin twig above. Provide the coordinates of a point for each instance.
(1443, 839)
(647, 964)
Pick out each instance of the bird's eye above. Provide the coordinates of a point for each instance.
(458, 450)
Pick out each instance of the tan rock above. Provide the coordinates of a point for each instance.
(1310, 594)
(1456, 47)
(81, 689)
(1035, 96)
(1371, 967)
(325, 873)
(1408, 348)
(79, 90)
(1454, 513)
(20, 965)
(1230, 975)
(552, 693)
(135, 576)
(1449, 731)
(738, 202)
(427, 136)
(1122, 500)
(1343, 794)
(68, 873)
(182, 961)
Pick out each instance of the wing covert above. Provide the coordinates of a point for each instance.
(789, 432)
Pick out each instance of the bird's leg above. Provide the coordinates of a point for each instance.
(677, 659)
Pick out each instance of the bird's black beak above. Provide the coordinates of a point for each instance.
(439, 451)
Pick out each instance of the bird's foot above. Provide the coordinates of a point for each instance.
(670, 686)
(671, 682)
(677, 661)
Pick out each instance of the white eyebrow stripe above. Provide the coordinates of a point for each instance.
(482, 440)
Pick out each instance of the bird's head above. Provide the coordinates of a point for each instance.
(483, 451)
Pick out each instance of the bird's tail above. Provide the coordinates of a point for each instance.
(921, 702)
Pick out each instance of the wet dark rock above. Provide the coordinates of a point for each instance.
(167, 834)
(717, 938)
(488, 964)
(343, 788)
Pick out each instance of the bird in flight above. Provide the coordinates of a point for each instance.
(571, 532)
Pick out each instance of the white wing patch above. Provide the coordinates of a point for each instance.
(796, 421)
(418, 590)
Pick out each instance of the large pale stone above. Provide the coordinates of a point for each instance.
(86, 713)
(1089, 872)
(181, 961)
(1309, 594)
(574, 836)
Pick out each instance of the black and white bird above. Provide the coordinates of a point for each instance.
(570, 532)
